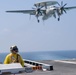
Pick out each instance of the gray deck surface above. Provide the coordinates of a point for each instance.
(60, 68)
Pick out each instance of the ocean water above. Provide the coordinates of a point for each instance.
(45, 55)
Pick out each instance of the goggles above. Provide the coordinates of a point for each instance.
(15, 49)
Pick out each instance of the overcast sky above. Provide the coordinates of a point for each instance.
(29, 35)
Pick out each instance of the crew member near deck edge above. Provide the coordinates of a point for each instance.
(14, 57)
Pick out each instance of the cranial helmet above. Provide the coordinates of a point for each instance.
(14, 48)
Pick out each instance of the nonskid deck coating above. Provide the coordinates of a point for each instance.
(60, 68)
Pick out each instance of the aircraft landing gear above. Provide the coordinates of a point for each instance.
(58, 19)
(38, 21)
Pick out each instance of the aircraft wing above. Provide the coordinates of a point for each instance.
(47, 3)
(31, 12)
(69, 8)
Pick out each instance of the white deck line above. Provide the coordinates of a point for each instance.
(63, 61)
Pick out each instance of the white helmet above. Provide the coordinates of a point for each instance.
(14, 48)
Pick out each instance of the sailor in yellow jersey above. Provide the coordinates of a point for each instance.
(14, 57)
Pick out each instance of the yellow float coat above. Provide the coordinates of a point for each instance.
(13, 58)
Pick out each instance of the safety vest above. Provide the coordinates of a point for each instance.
(15, 59)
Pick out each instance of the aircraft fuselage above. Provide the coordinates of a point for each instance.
(49, 13)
